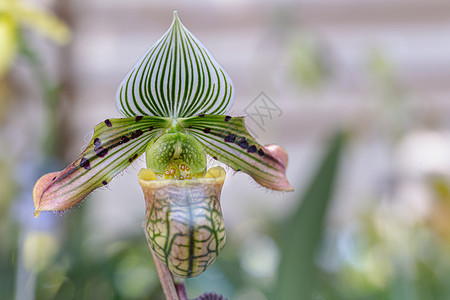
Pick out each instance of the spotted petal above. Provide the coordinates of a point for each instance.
(177, 77)
(227, 140)
(115, 145)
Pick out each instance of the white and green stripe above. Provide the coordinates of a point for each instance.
(177, 77)
(116, 144)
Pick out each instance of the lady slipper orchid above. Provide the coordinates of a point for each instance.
(174, 100)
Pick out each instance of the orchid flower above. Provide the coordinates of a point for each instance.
(175, 101)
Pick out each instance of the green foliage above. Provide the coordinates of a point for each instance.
(303, 232)
(118, 270)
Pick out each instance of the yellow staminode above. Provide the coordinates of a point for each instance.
(150, 175)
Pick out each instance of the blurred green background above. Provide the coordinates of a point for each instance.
(362, 107)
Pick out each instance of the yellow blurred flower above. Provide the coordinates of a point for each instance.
(16, 14)
(39, 250)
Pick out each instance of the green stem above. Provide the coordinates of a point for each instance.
(171, 290)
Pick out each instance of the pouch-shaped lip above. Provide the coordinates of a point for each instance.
(196, 200)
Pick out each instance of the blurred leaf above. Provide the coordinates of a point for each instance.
(303, 232)
(380, 67)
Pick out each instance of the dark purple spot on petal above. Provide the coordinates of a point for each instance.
(124, 139)
(230, 138)
(100, 151)
(133, 158)
(251, 149)
(136, 134)
(85, 163)
(215, 157)
(138, 118)
(238, 170)
(150, 128)
(260, 152)
(207, 130)
(108, 123)
(104, 182)
(201, 115)
(54, 178)
(227, 118)
(243, 143)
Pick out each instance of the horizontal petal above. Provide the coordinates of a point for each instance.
(227, 140)
(176, 77)
(115, 145)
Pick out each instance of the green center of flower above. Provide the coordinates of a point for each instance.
(176, 156)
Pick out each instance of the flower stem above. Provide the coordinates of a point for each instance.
(171, 290)
(165, 277)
